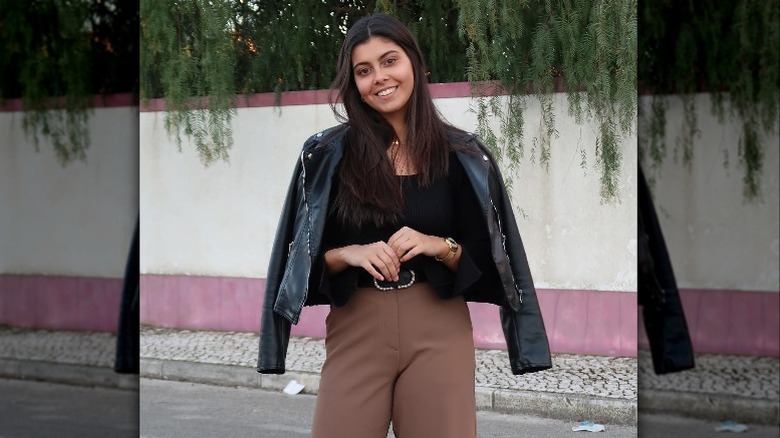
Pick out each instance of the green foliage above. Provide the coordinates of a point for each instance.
(520, 47)
(523, 46)
(259, 46)
(48, 51)
(288, 45)
(56, 54)
(535, 47)
(723, 47)
(434, 26)
(188, 41)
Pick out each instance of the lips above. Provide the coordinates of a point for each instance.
(386, 92)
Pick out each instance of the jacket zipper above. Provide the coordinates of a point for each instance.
(503, 245)
(308, 226)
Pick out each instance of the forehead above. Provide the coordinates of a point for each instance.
(373, 48)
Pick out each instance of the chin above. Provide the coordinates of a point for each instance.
(387, 110)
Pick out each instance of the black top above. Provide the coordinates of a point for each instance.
(447, 208)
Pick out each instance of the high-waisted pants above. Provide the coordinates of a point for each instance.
(405, 356)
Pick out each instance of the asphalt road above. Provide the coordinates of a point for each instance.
(177, 409)
(48, 410)
(664, 426)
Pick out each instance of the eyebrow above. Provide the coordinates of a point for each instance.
(382, 56)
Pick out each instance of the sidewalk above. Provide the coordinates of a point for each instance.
(741, 388)
(78, 358)
(601, 389)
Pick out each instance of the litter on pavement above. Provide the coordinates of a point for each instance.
(588, 426)
(731, 426)
(293, 388)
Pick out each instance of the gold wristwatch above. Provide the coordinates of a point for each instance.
(453, 249)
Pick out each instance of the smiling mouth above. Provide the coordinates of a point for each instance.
(386, 92)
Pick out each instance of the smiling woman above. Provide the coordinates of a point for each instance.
(384, 221)
(385, 79)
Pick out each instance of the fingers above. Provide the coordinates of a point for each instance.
(393, 240)
(408, 243)
(381, 262)
(378, 259)
(412, 253)
(372, 270)
(407, 247)
(387, 261)
(402, 241)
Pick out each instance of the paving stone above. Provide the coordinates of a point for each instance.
(742, 376)
(306, 355)
(573, 377)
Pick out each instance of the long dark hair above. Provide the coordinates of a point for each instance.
(369, 190)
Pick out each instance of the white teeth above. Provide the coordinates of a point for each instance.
(386, 92)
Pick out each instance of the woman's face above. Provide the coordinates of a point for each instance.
(384, 76)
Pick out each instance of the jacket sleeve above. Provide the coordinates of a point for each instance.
(664, 318)
(474, 269)
(526, 338)
(274, 328)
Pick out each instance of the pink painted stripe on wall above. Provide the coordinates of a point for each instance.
(207, 303)
(310, 97)
(60, 302)
(107, 101)
(580, 322)
(315, 97)
(590, 322)
(729, 322)
(587, 322)
(307, 97)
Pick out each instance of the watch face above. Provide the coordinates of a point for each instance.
(453, 244)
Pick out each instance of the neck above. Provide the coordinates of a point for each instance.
(399, 126)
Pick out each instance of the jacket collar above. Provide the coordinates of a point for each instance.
(336, 136)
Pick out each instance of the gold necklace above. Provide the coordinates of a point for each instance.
(395, 152)
(399, 161)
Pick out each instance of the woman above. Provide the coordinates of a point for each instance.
(396, 219)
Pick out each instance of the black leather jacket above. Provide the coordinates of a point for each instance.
(295, 269)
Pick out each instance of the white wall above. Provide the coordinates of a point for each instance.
(574, 240)
(716, 238)
(220, 220)
(75, 220)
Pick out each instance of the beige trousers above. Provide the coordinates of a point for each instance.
(405, 356)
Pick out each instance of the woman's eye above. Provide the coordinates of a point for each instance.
(362, 72)
(390, 61)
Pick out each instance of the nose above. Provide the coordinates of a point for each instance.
(380, 76)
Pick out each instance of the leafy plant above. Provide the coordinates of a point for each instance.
(726, 48)
(519, 47)
(57, 54)
(189, 59)
(199, 54)
(533, 48)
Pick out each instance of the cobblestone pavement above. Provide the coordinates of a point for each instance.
(95, 349)
(581, 385)
(70, 357)
(609, 377)
(719, 387)
(740, 376)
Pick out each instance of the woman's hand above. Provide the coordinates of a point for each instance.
(378, 259)
(408, 243)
